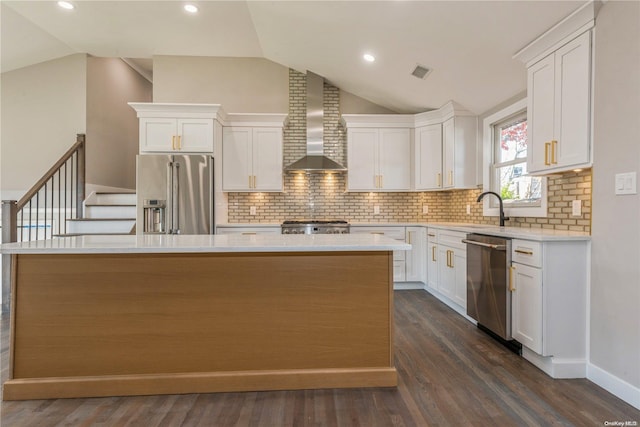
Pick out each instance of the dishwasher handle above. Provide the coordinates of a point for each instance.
(485, 245)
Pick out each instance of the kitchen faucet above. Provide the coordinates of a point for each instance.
(502, 217)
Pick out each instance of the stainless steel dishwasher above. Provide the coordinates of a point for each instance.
(488, 283)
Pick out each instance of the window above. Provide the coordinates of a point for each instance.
(510, 178)
(505, 165)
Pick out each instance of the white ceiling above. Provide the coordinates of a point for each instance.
(468, 44)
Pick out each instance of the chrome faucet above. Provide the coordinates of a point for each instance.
(502, 217)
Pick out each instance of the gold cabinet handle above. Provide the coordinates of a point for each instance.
(173, 142)
(381, 181)
(255, 185)
(179, 142)
(554, 149)
(431, 235)
(452, 258)
(450, 177)
(522, 251)
(377, 232)
(547, 145)
(433, 253)
(439, 180)
(249, 233)
(511, 284)
(409, 238)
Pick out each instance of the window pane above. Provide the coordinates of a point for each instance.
(516, 186)
(513, 141)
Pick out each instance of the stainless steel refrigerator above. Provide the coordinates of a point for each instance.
(174, 194)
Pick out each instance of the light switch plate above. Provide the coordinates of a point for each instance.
(626, 183)
(376, 210)
(576, 208)
(468, 209)
(425, 209)
(252, 210)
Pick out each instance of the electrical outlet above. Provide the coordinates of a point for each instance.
(576, 208)
(425, 209)
(252, 210)
(376, 210)
(468, 209)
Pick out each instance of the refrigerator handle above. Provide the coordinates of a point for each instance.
(175, 197)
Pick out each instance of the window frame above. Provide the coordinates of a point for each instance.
(489, 208)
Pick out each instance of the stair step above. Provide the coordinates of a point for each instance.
(109, 211)
(100, 225)
(115, 199)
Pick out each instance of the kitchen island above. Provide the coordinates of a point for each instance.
(138, 315)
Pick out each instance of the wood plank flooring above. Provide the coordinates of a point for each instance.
(449, 374)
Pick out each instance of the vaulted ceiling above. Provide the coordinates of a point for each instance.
(468, 45)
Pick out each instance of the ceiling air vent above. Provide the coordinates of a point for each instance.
(420, 72)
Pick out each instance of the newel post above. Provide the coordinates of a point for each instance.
(9, 234)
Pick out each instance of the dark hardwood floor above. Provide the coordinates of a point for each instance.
(449, 374)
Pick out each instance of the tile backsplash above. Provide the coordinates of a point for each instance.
(323, 195)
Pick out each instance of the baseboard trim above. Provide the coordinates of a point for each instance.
(614, 385)
(405, 286)
(557, 367)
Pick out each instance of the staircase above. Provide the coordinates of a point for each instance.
(105, 213)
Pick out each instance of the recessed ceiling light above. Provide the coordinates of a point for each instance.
(66, 5)
(368, 57)
(190, 8)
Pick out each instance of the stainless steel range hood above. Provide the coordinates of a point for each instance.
(315, 160)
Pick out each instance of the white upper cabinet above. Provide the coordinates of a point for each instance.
(559, 108)
(379, 159)
(428, 157)
(177, 128)
(445, 149)
(459, 140)
(559, 94)
(252, 159)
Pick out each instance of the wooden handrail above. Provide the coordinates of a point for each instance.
(78, 146)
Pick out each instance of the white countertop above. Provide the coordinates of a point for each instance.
(206, 243)
(537, 234)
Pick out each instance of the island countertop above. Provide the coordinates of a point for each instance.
(105, 244)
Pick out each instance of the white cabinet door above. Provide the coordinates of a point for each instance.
(446, 273)
(428, 157)
(540, 112)
(573, 113)
(459, 261)
(157, 135)
(267, 159)
(362, 158)
(526, 306)
(415, 258)
(432, 259)
(194, 135)
(236, 159)
(448, 156)
(559, 108)
(394, 159)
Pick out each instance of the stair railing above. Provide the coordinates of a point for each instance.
(44, 210)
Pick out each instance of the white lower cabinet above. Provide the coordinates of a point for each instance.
(549, 304)
(452, 266)
(432, 259)
(408, 266)
(415, 268)
(526, 303)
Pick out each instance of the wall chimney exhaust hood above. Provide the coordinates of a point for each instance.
(315, 160)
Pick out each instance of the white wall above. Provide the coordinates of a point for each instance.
(43, 108)
(241, 85)
(615, 271)
(112, 126)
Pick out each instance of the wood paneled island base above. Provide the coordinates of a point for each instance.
(88, 325)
